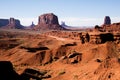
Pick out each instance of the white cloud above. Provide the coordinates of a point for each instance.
(74, 21)
(28, 21)
(115, 19)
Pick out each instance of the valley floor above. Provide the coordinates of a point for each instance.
(59, 58)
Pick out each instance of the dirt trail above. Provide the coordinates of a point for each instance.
(62, 39)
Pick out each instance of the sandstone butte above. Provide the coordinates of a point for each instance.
(58, 54)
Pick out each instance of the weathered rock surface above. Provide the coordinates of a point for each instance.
(100, 37)
(115, 27)
(47, 22)
(49, 18)
(84, 37)
(7, 72)
(31, 74)
(10, 24)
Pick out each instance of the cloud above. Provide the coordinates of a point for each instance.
(72, 21)
(75, 21)
(28, 21)
(115, 19)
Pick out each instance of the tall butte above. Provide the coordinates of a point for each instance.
(107, 20)
(48, 21)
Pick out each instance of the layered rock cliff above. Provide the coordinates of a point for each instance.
(48, 21)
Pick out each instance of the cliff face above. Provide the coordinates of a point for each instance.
(10, 24)
(49, 18)
(115, 27)
(90, 37)
(100, 37)
(48, 22)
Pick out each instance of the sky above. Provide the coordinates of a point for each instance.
(72, 12)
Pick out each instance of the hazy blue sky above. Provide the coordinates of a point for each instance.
(73, 12)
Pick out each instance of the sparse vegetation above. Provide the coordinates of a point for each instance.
(61, 72)
(75, 77)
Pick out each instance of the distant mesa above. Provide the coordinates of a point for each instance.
(4, 22)
(49, 18)
(64, 25)
(48, 21)
(10, 24)
(32, 25)
(107, 20)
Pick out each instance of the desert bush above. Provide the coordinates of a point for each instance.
(61, 72)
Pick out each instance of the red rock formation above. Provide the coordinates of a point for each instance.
(10, 24)
(48, 22)
(115, 27)
(49, 18)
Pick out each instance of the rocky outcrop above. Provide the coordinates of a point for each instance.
(99, 37)
(107, 26)
(31, 74)
(10, 24)
(115, 27)
(107, 20)
(48, 22)
(84, 37)
(7, 72)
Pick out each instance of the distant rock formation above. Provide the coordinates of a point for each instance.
(4, 22)
(107, 26)
(32, 25)
(64, 25)
(49, 18)
(107, 20)
(10, 24)
(48, 21)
